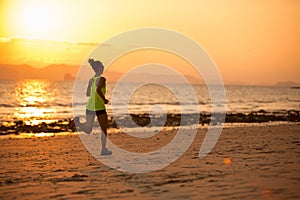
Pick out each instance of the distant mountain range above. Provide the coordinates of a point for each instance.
(51, 72)
(69, 72)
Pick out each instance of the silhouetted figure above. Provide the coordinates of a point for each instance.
(95, 106)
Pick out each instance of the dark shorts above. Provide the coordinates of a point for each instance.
(97, 112)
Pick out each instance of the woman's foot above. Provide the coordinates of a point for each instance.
(72, 123)
(105, 152)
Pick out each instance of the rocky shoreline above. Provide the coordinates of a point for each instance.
(143, 120)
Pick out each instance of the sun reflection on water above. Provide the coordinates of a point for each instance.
(34, 98)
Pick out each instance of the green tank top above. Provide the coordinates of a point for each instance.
(95, 102)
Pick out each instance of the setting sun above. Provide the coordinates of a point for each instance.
(36, 18)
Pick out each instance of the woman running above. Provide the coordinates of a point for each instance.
(95, 106)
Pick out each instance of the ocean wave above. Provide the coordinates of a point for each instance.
(7, 105)
(264, 101)
(162, 103)
(36, 105)
(294, 100)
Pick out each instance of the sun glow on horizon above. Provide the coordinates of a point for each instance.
(32, 96)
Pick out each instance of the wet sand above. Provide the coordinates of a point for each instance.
(253, 162)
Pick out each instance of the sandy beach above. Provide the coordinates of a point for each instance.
(199, 99)
(248, 162)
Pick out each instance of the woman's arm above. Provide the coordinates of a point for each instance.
(99, 86)
(88, 90)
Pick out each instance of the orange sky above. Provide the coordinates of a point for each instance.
(256, 42)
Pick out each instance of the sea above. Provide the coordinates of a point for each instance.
(37, 101)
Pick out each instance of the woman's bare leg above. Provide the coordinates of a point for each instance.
(86, 127)
(102, 119)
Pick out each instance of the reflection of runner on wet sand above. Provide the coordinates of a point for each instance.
(95, 106)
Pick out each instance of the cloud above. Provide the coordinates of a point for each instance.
(28, 40)
(43, 51)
